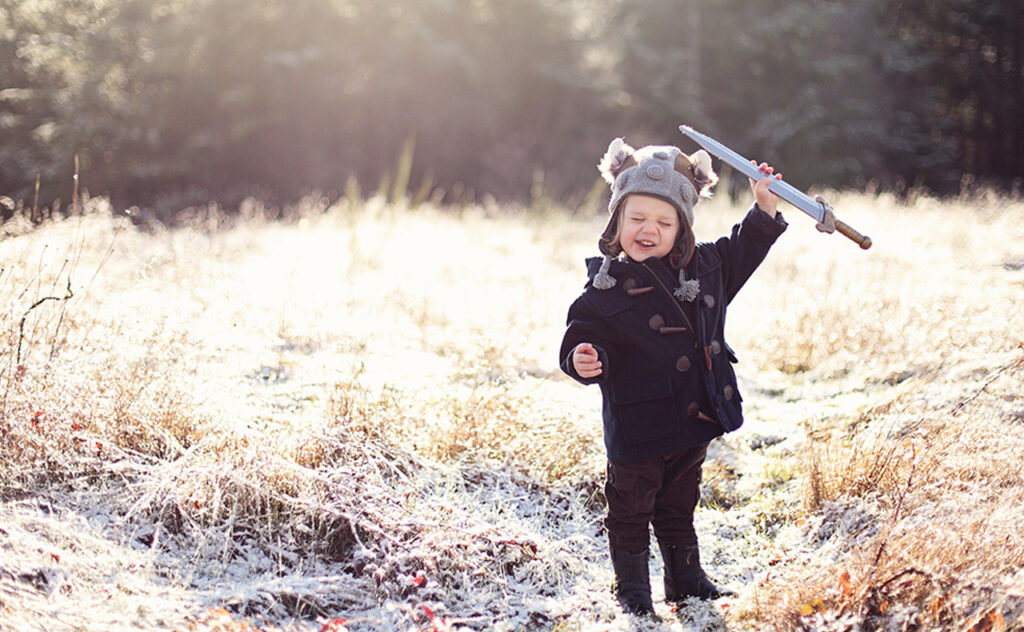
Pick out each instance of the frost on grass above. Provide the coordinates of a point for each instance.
(241, 425)
(368, 533)
(257, 424)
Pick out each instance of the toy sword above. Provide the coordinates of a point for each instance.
(817, 208)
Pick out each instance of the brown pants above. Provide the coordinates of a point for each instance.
(662, 491)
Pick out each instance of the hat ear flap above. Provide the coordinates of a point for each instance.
(618, 158)
(697, 169)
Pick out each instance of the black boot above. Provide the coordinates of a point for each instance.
(632, 582)
(685, 578)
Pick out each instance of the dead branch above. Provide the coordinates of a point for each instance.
(1003, 369)
(21, 326)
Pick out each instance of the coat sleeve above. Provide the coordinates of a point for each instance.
(746, 247)
(585, 325)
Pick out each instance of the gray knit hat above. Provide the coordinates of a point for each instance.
(663, 172)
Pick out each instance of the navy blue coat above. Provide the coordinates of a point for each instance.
(667, 380)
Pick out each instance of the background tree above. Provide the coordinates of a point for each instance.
(974, 63)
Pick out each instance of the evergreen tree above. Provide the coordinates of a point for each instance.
(973, 56)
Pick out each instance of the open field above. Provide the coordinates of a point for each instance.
(355, 413)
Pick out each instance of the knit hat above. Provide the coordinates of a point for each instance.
(663, 172)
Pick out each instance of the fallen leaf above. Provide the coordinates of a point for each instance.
(337, 625)
(998, 623)
(441, 625)
(811, 606)
(991, 622)
(845, 585)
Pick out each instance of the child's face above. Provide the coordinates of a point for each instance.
(649, 227)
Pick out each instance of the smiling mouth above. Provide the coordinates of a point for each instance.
(645, 243)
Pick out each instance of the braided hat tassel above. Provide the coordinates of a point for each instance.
(603, 280)
(688, 289)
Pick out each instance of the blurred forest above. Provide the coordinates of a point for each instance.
(174, 102)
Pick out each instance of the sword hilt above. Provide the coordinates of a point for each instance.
(861, 240)
(830, 224)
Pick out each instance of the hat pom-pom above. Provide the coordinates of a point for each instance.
(603, 280)
(614, 160)
(703, 173)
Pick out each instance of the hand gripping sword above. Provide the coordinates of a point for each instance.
(817, 208)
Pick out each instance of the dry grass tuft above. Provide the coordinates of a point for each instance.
(912, 494)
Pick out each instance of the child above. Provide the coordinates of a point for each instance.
(649, 329)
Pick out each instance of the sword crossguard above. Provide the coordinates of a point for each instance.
(828, 216)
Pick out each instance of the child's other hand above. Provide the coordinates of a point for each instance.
(766, 200)
(584, 360)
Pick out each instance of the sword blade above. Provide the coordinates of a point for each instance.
(781, 188)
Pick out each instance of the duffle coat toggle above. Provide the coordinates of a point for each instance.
(672, 330)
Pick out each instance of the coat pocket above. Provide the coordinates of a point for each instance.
(646, 410)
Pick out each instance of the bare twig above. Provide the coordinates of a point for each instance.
(909, 571)
(24, 317)
(35, 204)
(1003, 369)
(897, 509)
(103, 261)
(74, 191)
